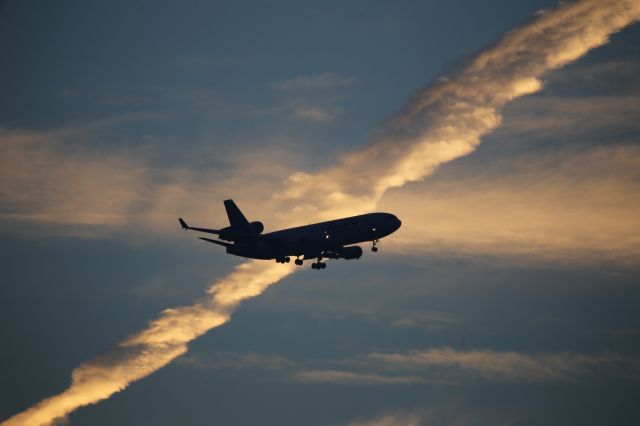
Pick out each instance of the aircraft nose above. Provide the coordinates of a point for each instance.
(396, 223)
(393, 223)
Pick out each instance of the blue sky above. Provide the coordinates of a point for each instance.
(509, 296)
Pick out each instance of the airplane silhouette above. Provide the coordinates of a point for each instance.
(324, 240)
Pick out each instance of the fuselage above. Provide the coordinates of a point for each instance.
(312, 240)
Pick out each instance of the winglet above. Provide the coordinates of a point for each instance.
(183, 224)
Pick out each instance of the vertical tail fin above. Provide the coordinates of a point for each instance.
(236, 218)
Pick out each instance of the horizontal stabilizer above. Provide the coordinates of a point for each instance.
(220, 243)
(183, 224)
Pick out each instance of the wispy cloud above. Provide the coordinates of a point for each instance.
(50, 178)
(164, 339)
(562, 206)
(88, 189)
(433, 366)
(324, 81)
(351, 377)
(574, 118)
(501, 366)
(314, 114)
(424, 319)
(446, 121)
(251, 360)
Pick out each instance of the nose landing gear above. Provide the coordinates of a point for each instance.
(374, 248)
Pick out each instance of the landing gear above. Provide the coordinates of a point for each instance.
(285, 259)
(374, 248)
(319, 264)
(298, 262)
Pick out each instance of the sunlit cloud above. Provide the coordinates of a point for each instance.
(441, 124)
(443, 366)
(569, 206)
(49, 178)
(164, 339)
(500, 366)
(43, 181)
(446, 121)
(351, 377)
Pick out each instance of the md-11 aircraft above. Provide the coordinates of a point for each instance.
(324, 240)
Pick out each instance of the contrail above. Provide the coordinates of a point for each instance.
(446, 121)
(442, 123)
(164, 339)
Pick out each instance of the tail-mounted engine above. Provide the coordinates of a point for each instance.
(256, 227)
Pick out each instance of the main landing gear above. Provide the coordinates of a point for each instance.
(298, 261)
(319, 264)
(374, 248)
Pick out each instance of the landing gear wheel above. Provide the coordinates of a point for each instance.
(298, 262)
(323, 265)
(374, 249)
(287, 259)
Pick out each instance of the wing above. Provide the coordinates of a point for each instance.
(220, 243)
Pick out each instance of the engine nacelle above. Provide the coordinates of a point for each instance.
(353, 252)
(256, 227)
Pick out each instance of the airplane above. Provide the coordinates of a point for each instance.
(324, 240)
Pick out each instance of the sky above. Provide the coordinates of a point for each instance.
(503, 134)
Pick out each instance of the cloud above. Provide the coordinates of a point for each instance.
(314, 114)
(442, 123)
(324, 81)
(52, 182)
(446, 121)
(501, 366)
(565, 206)
(576, 119)
(424, 319)
(251, 360)
(89, 189)
(163, 340)
(434, 366)
(350, 377)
